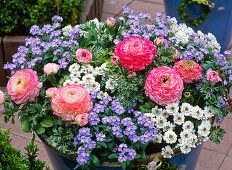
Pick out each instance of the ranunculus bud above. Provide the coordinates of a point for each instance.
(51, 68)
(159, 41)
(2, 97)
(115, 60)
(175, 56)
(213, 76)
(84, 55)
(82, 119)
(131, 74)
(51, 92)
(110, 21)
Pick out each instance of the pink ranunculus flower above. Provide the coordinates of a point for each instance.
(110, 21)
(24, 86)
(159, 41)
(188, 70)
(2, 100)
(175, 56)
(213, 76)
(131, 74)
(135, 53)
(82, 119)
(51, 92)
(114, 60)
(164, 86)
(84, 55)
(71, 101)
(51, 68)
(2, 97)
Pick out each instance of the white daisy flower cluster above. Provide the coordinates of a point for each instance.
(181, 32)
(210, 40)
(85, 75)
(66, 30)
(178, 118)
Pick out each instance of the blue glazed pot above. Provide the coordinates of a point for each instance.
(218, 22)
(59, 162)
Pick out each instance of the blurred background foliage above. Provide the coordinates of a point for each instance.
(17, 16)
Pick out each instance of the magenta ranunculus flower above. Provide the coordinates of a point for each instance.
(84, 55)
(71, 101)
(189, 70)
(135, 53)
(51, 92)
(213, 76)
(163, 85)
(24, 86)
(159, 41)
(82, 119)
(51, 68)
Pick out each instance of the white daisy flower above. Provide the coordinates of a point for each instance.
(194, 140)
(158, 138)
(110, 84)
(188, 125)
(172, 108)
(88, 79)
(101, 95)
(170, 136)
(74, 75)
(167, 152)
(164, 113)
(93, 72)
(86, 67)
(74, 68)
(168, 126)
(76, 81)
(209, 112)
(197, 113)
(95, 86)
(185, 148)
(160, 122)
(156, 111)
(185, 135)
(179, 119)
(186, 109)
(66, 30)
(99, 70)
(104, 67)
(204, 129)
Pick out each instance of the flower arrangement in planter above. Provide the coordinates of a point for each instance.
(107, 92)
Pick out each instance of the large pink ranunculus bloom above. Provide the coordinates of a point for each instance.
(213, 76)
(24, 86)
(135, 53)
(71, 101)
(163, 85)
(189, 70)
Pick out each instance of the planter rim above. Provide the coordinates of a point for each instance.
(149, 158)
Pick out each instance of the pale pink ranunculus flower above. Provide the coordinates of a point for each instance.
(188, 70)
(51, 92)
(164, 86)
(213, 76)
(24, 86)
(51, 68)
(159, 41)
(135, 53)
(2, 97)
(114, 60)
(82, 119)
(175, 56)
(110, 21)
(84, 55)
(71, 101)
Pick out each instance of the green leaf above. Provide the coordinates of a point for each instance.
(95, 160)
(47, 122)
(39, 129)
(26, 126)
(113, 156)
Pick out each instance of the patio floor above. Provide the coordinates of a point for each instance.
(212, 157)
